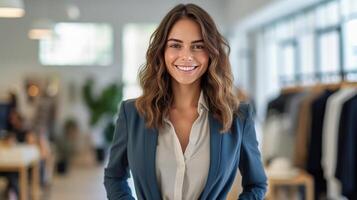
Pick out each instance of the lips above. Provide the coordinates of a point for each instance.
(186, 68)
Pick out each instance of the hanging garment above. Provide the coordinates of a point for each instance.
(303, 131)
(347, 141)
(277, 138)
(313, 166)
(330, 140)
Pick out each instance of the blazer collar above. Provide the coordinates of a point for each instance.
(151, 137)
(215, 155)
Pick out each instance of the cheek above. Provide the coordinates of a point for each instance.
(203, 59)
(169, 57)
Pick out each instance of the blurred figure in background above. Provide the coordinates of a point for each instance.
(66, 145)
(19, 133)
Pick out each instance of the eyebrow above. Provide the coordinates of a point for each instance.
(180, 41)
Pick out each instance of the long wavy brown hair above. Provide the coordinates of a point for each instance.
(216, 82)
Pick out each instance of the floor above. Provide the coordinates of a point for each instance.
(79, 183)
(86, 182)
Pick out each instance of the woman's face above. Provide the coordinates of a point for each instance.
(186, 57)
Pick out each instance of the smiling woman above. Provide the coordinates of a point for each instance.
(186, 58)
(190, 30)
(187, 134)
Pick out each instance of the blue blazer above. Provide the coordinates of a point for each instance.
(134, 148)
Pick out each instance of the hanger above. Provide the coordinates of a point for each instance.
(292, 89)
(348, 84)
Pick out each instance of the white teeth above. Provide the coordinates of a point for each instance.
(186, 68)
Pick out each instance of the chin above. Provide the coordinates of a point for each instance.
(187, 82)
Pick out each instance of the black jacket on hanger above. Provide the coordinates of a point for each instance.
(347, 151)
(315, 145)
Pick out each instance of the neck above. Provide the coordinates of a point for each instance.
(185, 96)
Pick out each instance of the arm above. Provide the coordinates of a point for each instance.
(117, 171)
(254, 180)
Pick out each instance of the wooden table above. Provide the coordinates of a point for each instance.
(301, 179)
(21, 164)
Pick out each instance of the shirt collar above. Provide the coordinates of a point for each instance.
(202, 102)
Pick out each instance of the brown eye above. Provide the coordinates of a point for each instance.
(174, 45)
(198, 46)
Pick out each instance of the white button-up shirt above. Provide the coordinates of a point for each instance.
(183, 175)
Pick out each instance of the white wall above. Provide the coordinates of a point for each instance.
(237, 10)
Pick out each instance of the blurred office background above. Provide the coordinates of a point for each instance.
(65, 65)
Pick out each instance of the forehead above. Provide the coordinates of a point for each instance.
(186, 30)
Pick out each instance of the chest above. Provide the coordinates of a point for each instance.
(182, 123)
(143, 151)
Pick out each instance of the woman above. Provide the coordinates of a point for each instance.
(185, 137)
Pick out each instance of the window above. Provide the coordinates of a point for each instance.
(135, 43)
(306, 44)
(350, 45)
(78, 44)
(288, 61)
(306, 48)
(328, 15)
(329, 58)
(285, 30)
(348, 7)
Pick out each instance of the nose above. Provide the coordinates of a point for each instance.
(186, 54)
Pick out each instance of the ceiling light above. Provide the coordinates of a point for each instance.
(11, 8)
(41, 29)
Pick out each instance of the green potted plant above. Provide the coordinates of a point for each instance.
(102, 110)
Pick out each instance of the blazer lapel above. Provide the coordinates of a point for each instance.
(215, 151)
(151, 136)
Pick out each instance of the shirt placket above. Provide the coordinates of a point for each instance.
(181, 167)
(182, 157)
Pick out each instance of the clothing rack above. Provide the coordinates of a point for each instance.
(318, 86)
(306, 105)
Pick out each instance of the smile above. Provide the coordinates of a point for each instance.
(186, 68)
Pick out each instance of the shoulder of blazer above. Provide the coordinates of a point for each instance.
(130, 108)
(245, 111)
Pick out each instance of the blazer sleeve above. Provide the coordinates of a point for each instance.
(254, 180)
(117, 171)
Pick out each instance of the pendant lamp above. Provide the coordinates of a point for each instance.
(12, 8)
